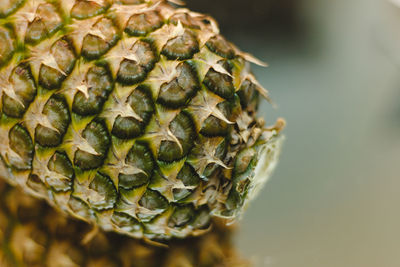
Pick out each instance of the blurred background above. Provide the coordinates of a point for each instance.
(335, 74)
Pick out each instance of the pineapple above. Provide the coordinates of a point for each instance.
(35, 235)
(136, 116)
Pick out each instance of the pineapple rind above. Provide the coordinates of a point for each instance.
(32, 234)
(83, 89)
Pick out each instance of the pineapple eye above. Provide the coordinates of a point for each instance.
(213, 126)
(100, 84)
(130, 71)
(126, 223)
(221, 47)
(80, 208)
(188, 175)
(181, 193)
(249, 96)
(21, 143)
(104, 193)
(181, 47)
(186, 20)
(179, 91)
(61, 164)
(153, 201)
(97, 136)
(56, 111)
(63, 55)
(84, 9)
(182, 128)
(45, 24)
(50, 78)
(7, 45)
(142, 104)
(182, 215)
(190, 178)
(219, 83)
(94, 46)
(23, 85)
(140, 158)
(142, 24)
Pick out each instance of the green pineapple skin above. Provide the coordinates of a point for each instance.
(136, 116)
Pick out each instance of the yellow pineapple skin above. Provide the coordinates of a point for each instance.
(32, 234)
(134, 115)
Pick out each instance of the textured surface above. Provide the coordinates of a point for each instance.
(32, 234)
(133, 115)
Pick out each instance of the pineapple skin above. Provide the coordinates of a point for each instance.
(136, 116)
(32, 234)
